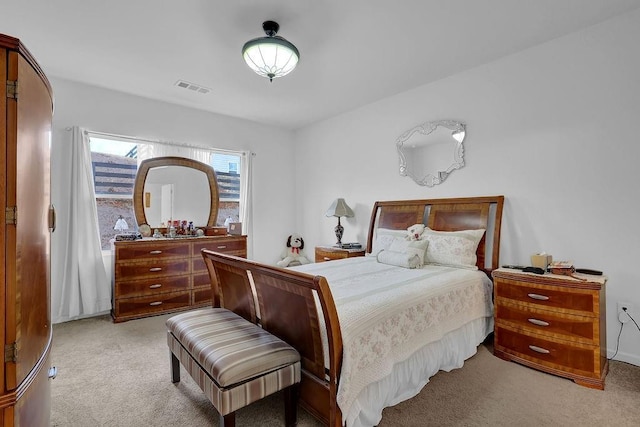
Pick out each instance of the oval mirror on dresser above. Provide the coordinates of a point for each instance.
(164, 274)
(175, 188)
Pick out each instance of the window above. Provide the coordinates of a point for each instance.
(115, 164)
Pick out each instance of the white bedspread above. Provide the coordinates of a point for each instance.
(388, 313)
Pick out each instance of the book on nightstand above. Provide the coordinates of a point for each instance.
(349, 246)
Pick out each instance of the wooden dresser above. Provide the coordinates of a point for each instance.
(26, 220)
(156, 276)
(552, 323)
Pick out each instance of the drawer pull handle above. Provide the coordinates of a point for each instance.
(158, 285)
(155, 252)
(154, 269)
(160, 303)
(538, 322)
(222, 247)
(327, 258)
(539, 297)
(539, 349)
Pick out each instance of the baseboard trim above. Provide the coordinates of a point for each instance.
(625, 357)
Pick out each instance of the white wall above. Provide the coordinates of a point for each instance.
(551, 128)
(114, 112)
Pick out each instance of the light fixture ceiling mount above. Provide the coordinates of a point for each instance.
(271, 56)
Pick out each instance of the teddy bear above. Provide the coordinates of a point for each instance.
(293, 254)
(415, 232)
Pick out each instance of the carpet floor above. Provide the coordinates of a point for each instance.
(118, 375)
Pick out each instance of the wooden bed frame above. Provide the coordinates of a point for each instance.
(284, 301)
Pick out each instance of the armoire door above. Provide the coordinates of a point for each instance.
(27, 242)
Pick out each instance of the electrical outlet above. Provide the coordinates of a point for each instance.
(623, 309)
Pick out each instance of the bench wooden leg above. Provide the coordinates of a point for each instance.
(228, 420)
(175, 368)
(291, 394)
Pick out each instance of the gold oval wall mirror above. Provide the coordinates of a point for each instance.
(175, 188)
(431, 151)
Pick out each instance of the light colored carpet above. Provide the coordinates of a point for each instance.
(118, 375)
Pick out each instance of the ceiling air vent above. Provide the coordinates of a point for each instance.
(192, 87)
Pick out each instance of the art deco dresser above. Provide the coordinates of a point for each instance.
(25, 320)
(552, 323)
(156, 276)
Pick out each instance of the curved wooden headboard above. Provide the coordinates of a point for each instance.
(468, 213)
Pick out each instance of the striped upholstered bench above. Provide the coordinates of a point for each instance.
(233, 361)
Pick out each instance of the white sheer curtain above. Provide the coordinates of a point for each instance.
(85, 289)
(245, 197)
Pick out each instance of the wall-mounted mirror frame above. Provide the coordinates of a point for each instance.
(158, 162)
(430, 178)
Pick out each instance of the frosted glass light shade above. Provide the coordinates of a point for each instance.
(270, 56)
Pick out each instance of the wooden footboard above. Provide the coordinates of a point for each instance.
(286, 307)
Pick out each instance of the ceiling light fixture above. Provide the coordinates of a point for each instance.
(270, 56)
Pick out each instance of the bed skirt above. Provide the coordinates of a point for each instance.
(410, 376)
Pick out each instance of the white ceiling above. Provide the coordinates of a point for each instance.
(352, 52)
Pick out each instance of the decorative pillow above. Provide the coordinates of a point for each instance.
(399, 259)
(453, 248)
(384, 237)
(410, 247)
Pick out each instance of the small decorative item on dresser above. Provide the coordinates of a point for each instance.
(330, 253)
(235, 228)
(553, 323)
(541, 260)
(144, 230)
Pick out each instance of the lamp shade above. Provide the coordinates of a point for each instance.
(121, 224)
(339, 208)
(270, 56)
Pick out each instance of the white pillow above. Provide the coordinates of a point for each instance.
(453, 248)
(399, 259)
(384, 237)
(410, 247)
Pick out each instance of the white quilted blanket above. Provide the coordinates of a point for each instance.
(387, 313)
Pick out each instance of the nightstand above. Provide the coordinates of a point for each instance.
(552, 323)
(330, 253)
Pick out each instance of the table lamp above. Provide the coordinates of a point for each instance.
(121, 225)
(339, 208)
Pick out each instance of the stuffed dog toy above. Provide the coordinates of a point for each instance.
(415, 232)
(293, 252)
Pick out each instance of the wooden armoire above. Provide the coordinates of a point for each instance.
(26, 110)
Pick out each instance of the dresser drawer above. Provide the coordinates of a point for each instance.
(227, 245)
(569, 327)
(568, 300)
(580, 359)
(140, 306)
(151, 286)
(140, 251)
(323, 255)
(156, 268)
